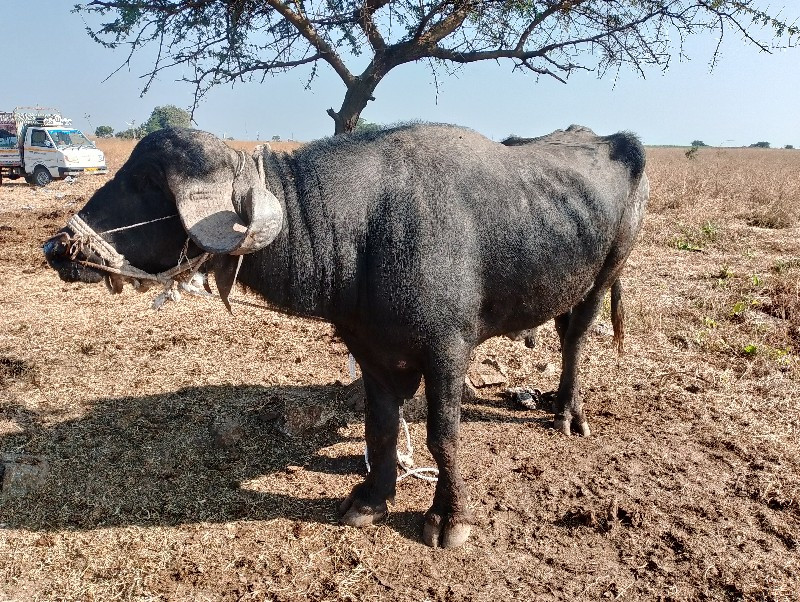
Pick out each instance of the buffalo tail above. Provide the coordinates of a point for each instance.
(618, 316)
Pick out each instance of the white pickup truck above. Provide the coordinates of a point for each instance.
(40, 145)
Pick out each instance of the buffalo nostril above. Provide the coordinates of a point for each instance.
(50, 248)
(54, 247)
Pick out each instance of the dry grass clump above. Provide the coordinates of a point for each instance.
(12, 369)
(769, 209)
(783, 300)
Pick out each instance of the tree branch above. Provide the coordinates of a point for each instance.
(326, 52)
(364, 17)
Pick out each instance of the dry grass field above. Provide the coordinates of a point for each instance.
(158, 470)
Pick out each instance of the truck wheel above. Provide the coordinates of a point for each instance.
(41, 177)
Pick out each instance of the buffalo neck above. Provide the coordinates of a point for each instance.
(302, 270)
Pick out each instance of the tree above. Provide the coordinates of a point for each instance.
(789, 147)
(362, 125)
(760, 145)
(167, 116)
(133, 133)
(104, 131)
(227, 41)
(698, 143)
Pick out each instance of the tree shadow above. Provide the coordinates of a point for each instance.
(193, 455)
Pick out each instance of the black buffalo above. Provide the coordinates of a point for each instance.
(417, 243)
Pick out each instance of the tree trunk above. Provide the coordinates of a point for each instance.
(359, 93)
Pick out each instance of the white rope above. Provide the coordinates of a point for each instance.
(405, 461)
(85, 234)
(152, 221)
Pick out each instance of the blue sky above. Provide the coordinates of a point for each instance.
(748, 97)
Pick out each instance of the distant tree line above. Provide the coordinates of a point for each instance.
(697, 144)
(161, 117)
(172, 116)
(767, 145)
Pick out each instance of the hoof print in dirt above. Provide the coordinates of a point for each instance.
(603, 521)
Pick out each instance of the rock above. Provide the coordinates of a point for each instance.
(468, 393)
(602, 329)
(354, 396)
(416, 408)
(525, 398)
(301, 418)
(226, 432)
(528, 336)
(486, 374)
(20, 474)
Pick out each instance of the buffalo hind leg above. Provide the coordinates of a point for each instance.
(572, 328)
(562, 325)
(366, 504)
(449, 520)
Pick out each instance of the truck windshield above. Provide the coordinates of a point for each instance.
(63, 138)
(7, 139)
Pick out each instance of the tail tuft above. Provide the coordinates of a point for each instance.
(627, 148)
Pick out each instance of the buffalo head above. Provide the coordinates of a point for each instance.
(181, 193)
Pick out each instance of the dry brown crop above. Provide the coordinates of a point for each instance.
(160, 470)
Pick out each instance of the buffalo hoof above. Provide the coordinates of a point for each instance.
(567, 425)
(439, 532)
(356, 513)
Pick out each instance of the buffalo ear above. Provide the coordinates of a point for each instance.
(226, 212)
(226, 269)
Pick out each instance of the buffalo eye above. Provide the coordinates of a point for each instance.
(139, 182)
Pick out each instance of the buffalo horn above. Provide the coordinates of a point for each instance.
(226, 214)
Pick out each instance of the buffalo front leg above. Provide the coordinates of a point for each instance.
(572, 328)
(448, 522)
(366, 504)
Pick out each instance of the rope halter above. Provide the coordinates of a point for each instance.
(91, 243)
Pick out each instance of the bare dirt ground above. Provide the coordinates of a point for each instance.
(157, 468)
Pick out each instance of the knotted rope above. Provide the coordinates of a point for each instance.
(180, 277)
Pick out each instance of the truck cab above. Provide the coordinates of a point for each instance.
(10, 155)
(58, 152)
